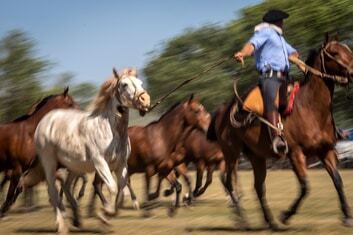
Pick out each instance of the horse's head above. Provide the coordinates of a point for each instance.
(129, 91)
(63, 100)
(195, 114)
(337, 59)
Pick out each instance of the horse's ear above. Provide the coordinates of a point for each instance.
(327, 38)
(336, 37)
(115, 73)
(66, 91)
(191, 97)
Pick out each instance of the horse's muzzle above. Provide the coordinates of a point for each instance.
(143, 102)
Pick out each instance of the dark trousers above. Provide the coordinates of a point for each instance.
(269, 87)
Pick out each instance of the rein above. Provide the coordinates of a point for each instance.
(218, 63)
(251, 116)
(306, 68)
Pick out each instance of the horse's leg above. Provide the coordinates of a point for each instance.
(259, 167)
(330, 163)
(102, 168)
(50, 165)
(155, 195)
(231, 157)
(67, 186)
(81, 193)
(171, 177)
(5, 180)
(200, 167)
(13, 190)
(210, 169)
(183, 170)
(298, 161)
(121, 174)
(135, 203)
(97, 190)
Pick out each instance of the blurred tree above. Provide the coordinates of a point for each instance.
(82, 92)
(20, 73)
(196, 49)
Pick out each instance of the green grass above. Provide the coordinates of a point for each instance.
(319, 214)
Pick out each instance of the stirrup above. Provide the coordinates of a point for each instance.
(275, 142)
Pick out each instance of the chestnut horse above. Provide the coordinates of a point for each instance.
(309, 130)
(153, 146)
(17, 151)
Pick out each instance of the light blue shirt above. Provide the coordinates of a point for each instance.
(271, 50)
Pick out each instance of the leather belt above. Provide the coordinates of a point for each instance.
(275, 73)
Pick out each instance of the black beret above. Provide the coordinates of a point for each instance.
(274, 15)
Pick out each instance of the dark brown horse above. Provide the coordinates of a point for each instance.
(205, 155)
(17, 151)
(309, 131)
(153, 146)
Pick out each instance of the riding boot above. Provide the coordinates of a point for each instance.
(278, 144)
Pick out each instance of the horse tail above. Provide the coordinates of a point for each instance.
(34, 175)
(211, 132)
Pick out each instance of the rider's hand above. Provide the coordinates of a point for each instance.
(239, 56)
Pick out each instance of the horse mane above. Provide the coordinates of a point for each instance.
(103, 96)
(164, 114)
(38, 105)
(310, 60)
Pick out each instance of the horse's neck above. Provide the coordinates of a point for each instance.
(318, 92)
(118, 121)
(173, 124)
(35, 118)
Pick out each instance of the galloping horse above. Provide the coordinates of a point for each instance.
(17, 151)
(309, 130)
(153, 146)
(204, 154)
(96, 140)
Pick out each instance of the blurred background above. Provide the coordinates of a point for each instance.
(48, 45)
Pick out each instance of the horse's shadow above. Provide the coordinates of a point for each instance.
(229, 229)
(53, 230)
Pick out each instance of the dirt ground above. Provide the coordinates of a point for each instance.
(320, 213)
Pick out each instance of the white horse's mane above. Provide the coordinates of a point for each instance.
(102, 98)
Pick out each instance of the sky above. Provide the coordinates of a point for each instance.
(89, 37)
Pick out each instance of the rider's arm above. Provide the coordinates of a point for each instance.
(247, 50)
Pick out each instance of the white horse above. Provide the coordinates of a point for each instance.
(93, 140)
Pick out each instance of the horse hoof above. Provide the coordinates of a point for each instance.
(136, 205)
(284, 217)
(76, 223)
(167, 192)
(187, 200)
(273, 226)
(348, 222)
(104, 219)
(152, 196)
(171, 211)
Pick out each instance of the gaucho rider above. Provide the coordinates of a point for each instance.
(272, 54)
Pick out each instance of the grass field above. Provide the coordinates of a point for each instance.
(320, 213)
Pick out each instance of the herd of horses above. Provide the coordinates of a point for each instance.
(56, 134)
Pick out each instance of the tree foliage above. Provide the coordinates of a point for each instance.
(193, 51)
(22, 75)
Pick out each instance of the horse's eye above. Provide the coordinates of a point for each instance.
(125, 85)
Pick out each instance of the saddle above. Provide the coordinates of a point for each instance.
(254, 100)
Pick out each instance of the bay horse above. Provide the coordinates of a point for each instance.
(153, 146)
(17, 152)
(309, 130)
(94, 140)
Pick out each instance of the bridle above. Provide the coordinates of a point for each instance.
(324, 51)
(137, 94)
